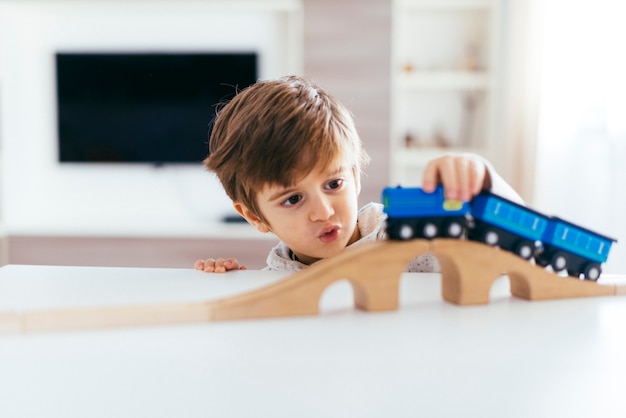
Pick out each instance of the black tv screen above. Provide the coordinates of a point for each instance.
(143, 107)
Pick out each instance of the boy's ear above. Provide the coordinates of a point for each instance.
(249, 216)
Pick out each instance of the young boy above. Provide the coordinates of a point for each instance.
(289, 156)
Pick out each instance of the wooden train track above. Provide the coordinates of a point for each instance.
(468, 270)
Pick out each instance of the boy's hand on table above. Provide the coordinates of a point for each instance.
(221, 265)
(461, 177)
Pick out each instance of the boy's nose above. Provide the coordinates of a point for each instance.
(322, 209)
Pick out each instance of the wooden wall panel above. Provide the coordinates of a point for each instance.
(134, 252)
(347, 49)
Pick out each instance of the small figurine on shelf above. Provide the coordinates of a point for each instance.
(440, 140)
(411, 140)
(408, 67)
(470, 60)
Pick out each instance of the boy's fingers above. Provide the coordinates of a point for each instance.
(209, 265)
(448, 171)
(477, 177)
(233, 264)
(462, 173)
(430, 177)
(220, 265)
(461, 177)
(230, 263)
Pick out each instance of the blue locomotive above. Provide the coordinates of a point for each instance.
(413, 213)
(496, 221)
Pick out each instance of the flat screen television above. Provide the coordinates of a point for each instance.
(151, 108)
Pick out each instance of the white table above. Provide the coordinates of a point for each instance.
(511, 358)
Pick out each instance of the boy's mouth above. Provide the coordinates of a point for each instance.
(329, 234)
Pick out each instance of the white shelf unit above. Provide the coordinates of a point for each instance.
(444, 81)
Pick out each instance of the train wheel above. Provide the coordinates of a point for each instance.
(405, 232)
(491, 237)
(525, 249)
(430, 230)
(559, 262)
(592, 271)
(454, 229)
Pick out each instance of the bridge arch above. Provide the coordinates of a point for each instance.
(373, 270)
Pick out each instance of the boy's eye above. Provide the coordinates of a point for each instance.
(292, 200)
(335, 184)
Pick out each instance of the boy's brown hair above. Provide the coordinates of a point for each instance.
(276, 132)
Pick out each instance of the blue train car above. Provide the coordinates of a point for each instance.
(506, 224)
(574, 249)
(413, 213)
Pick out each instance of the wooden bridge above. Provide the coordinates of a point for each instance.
(468, 269)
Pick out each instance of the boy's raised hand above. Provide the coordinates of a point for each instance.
(221, 265)
(461, 176)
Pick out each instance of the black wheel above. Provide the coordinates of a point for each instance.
(592, 271)
(405, 231)
(430, 230)
(558, 261)
(490, 237)
(525, 249)
(454, 229)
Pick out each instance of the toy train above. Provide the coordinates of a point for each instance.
(496, 221)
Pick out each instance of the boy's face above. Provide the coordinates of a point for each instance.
(316, 217)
